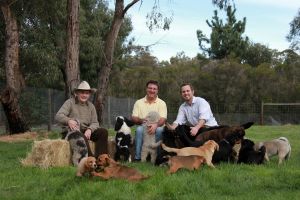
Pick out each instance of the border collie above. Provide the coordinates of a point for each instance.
(123, 138)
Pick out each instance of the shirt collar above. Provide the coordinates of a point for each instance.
(193, 101)
(146, 101)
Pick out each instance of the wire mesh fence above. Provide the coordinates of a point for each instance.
(40, 105)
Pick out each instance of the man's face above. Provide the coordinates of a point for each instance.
(152, 90)
(187, 93)
(83, 95)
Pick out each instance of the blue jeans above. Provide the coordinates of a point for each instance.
(139, 139)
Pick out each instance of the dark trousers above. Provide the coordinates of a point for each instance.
(100, 137)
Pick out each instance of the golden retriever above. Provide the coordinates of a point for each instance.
(206, 150)
(188, 162)
(86, 165)
(113, 169)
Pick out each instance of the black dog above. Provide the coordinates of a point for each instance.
(216, 133)
(248, 155)
(171, 139)
(225, 152)
(123, 138)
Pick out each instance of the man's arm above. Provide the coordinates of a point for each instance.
(195, 129)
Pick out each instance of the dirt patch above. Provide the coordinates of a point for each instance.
(23, 137)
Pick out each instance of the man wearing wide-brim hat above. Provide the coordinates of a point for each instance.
(79, 114)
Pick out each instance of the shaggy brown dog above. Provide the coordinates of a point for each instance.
(206, 150)
(86, 165)
(187, 162)
(113, 169)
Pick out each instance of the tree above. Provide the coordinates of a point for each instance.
(14, 79)
(225, 39)
(294, 34)
(72, 73)
(107, 60)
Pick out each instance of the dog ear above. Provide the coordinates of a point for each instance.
(119, 123)
(247, 125)
(128, 122)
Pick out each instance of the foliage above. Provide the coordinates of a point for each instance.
(225, 39)
(294, 34)
(230, 181)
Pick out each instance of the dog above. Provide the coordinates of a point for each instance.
(78, 145)
(171, 139)
(214, 133)
(123, 138)
(188, 162)
(249, 155)
(279, 146)
(206, 150)
(149, 144)
(226, 152)
(87, 165)
(112, 169)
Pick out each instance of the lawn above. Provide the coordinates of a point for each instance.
(227, 181)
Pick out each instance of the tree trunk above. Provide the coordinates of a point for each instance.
(107, 59)
(72, 71)
(14, 78)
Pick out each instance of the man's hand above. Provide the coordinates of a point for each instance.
(152, 128)
(73, 125)
(88, 133)
(194, 131)
(171, 127)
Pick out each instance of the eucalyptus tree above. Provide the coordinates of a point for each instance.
(14, 79)
(294, 34)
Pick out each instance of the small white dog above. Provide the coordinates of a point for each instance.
(279, 146)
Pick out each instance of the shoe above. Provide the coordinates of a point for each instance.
(137, 160)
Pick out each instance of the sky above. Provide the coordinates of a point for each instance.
(267, 23)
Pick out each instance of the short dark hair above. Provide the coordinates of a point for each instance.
(185, 84)
(152, 82)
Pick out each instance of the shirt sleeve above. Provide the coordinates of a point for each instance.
(204, 110)
(94, 119)
(163, 111)
(62, 116)
(135, 110)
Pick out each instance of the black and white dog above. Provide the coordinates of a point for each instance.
(123, 138)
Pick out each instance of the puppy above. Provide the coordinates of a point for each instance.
(149, 144)
(86, 165)
(206, 150)
(188, 162)
(113, 169)
(279, 146)
(226, 152)
(78, 146)
(123, 138)
(249, 155)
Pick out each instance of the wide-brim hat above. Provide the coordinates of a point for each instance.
(85, 86)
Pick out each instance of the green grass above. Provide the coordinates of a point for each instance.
(227, 181)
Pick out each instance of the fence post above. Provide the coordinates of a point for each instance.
(262, 113)
(49, 109)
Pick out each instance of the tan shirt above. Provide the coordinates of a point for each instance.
(85, 113)
(142, 107)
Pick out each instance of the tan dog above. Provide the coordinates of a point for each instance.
(113, 169)
(187, 162)
(206, 150)
(279, 146)
(86, 165)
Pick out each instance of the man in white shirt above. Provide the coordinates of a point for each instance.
(194, 115)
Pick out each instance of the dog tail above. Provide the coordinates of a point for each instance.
(283, 139)
(169, 149)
